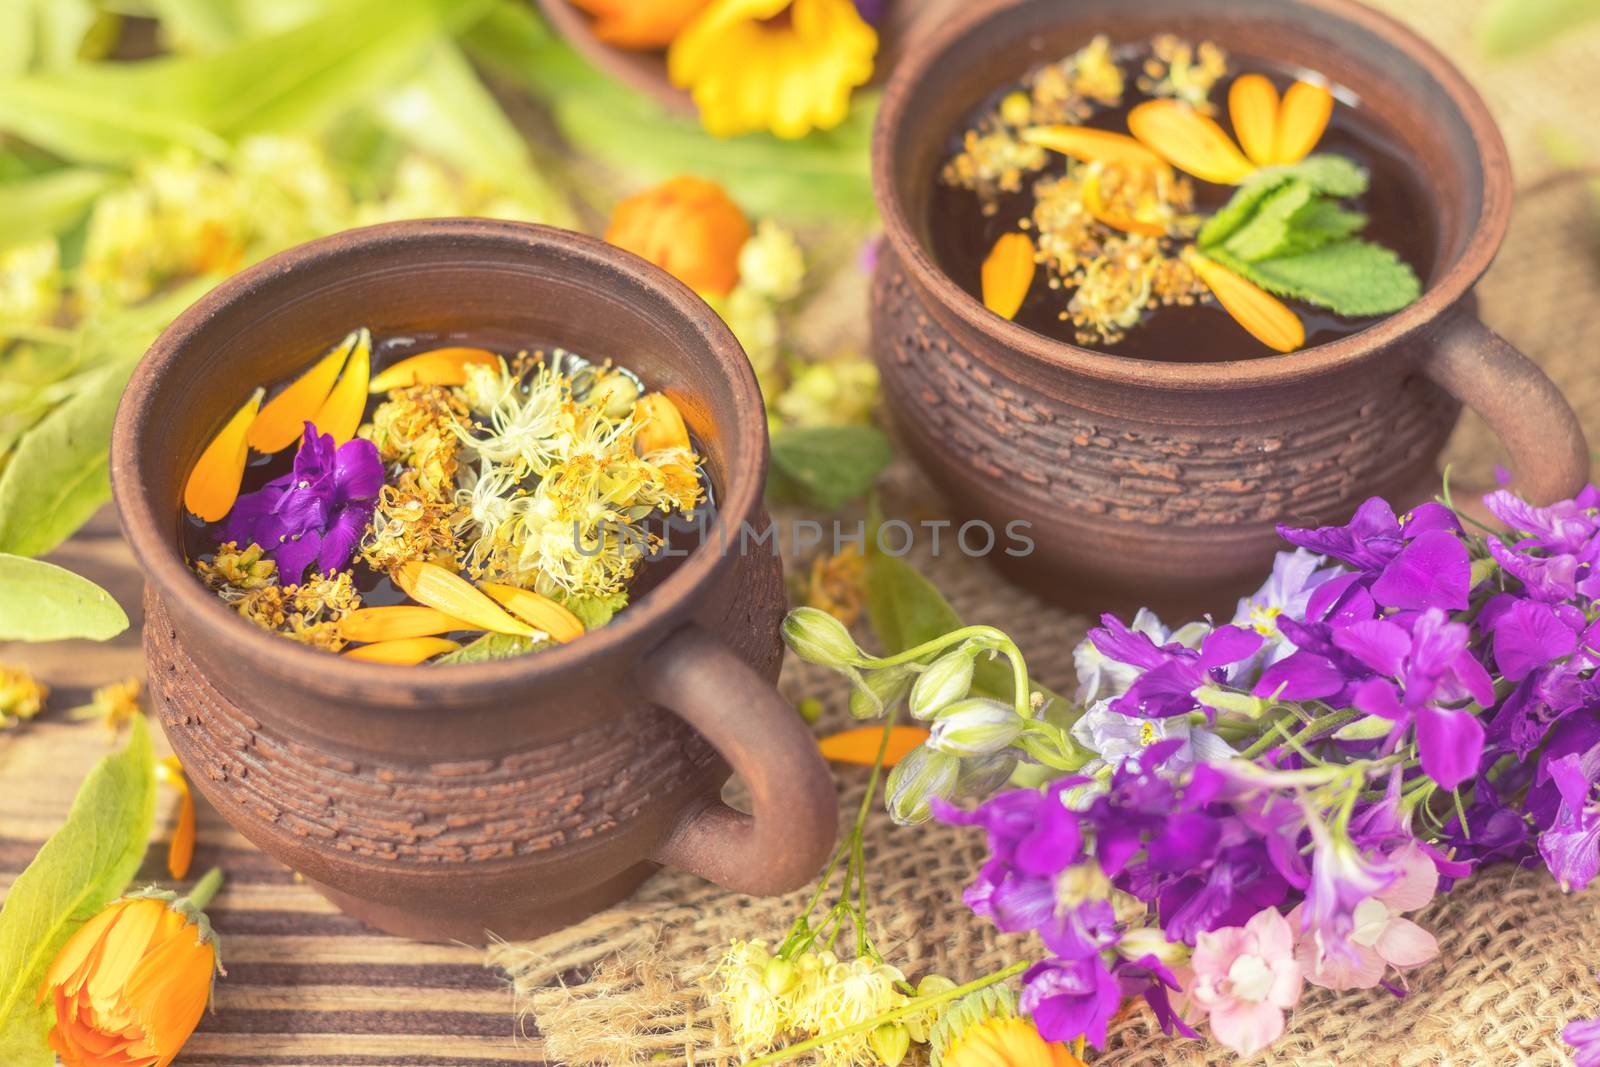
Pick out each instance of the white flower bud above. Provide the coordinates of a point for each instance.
(976, 727)
(818, 637)
(878, 691)
(983, 775)
(1151, 941)
(919, 777)
(947, 680)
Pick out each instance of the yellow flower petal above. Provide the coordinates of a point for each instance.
(1008, 274)
(1093, 146)
(405, 652)
(341, 413)
(397, 623)
(432, 585)
(283, 420)
(1268, 319)
(1253, 109)
(213, 484)
(180, 853)
(1302, 118)
(536, 610)
(442, 366)
(860, 745)
(1190, 141)
(661, 425)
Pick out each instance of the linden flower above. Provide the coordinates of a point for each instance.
(130, 986)
(113, 704)
(787, 66)
(21, 698)
(30, 281)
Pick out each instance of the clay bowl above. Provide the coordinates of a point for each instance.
(1160, 483)
(509, 797)
(647, 71)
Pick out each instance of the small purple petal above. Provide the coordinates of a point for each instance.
(1432, 571)
(1451, 743)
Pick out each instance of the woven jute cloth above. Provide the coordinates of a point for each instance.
(1517, 958)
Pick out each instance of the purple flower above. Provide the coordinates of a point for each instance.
(1171, 672)
(1367, 542)
(1287, 593)
(1431, 571)
(1069, 998)
(317, 512)
(1529, 634)
(1417, 676)
(1571, 846)
(1341, 878)
(1567, 528)
(1584, 1037)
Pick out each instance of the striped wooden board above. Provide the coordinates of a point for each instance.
(306, 986)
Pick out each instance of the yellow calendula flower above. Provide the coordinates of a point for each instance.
(21, 698)
(787, 66)
(1007, 1042)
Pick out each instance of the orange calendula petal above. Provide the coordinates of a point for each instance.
(405, 652)
(1190, 141)
(180, 853)
(397, 622)
(1095, 202)
(1092, 145)
(536, 610)
(341, 413)
(213, 484)
(446, 591)
(860, 745)
(1253, 110)
(660, 425)
(284, 419)
(1268, 319)
(1007, 274)
(441, 366)
(1302, 117)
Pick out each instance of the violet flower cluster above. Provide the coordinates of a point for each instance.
(1273, 798)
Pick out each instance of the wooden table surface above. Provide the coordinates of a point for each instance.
(306, 986)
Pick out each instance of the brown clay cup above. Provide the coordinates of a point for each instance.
(1161, 483)
(509, 797)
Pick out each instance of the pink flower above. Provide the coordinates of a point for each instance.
(1245, 977)
(1380, 937)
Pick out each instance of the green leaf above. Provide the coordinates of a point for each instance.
(42, 33)
(492, 646)
(1326, 175)
(1352, 278)
(42, 602)
(82, 867)
(829, 466)
(1512, 26)
(1266, 231)
(1318, 223)
(595, 611)
(45, 205)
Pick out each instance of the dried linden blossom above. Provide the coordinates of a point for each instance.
(233, 571)
(1182, 71)
(420, 427)
(21, 696)
(411, 523)
(308, 612)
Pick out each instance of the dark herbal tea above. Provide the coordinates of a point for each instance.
(421, 499)
(1167, 201)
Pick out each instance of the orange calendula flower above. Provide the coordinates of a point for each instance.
(1006, 1041)
(1268, 319)
(1272, 132)
(688, 227)
(639, 25)
(404, 652)
(340, 414)
(788, 66)
(1007, 274)
(214, 482)
(284, 419)
(180, 853)
(860, 745)
(441, 366)
(130, 986)
(1093, 146)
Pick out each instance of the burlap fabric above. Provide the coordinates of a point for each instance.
(1517, 958)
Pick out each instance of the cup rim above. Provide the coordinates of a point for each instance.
(923, 61)
(739, 499)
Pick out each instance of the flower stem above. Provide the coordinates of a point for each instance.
(1022, 695)
(910, 1008)
(205, 889)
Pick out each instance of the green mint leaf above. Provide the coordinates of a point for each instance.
(1237, 212)
(829, 466)
(1326, 175)
(42, 602)
(1266, 233)
(595, 611)
(1320, 222)
(84, 866)
(1350, 277)
(492, 646)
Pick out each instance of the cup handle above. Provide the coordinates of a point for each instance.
(783, 845)
(1549, 454)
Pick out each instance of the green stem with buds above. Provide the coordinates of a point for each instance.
(1022, 693)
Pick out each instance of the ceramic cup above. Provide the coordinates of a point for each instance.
(1161, 483)
(508, 797)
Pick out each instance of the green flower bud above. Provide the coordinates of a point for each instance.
(878, 691)
(976, 726)
(919, 777)
(922, 1023)
(947, 680)
(983, 775)
(779, 976)
(810, 709)
(1366, 728)
(890, 1043)
(818, 637)
(1483, 570)
(1151, 941)
(1231, 701)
